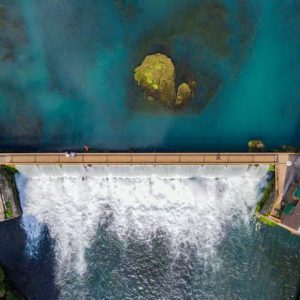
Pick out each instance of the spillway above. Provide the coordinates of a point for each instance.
(190, 208)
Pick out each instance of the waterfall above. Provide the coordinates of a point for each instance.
(192, 205)
(129, 171)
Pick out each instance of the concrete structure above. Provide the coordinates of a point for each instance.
(289, 219)
(280, 178)
(278, 159)
(9, 198)
(143, 158)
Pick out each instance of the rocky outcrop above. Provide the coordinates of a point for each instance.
(9, 197)
(156, 76)
(256, 146)
(184, 93)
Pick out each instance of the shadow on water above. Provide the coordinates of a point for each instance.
(118, 270)
(34, 278)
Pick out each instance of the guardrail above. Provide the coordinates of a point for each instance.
(140, 158)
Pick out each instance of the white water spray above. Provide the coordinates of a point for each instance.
(192, 205)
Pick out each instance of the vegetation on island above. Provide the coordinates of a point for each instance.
(6, 292)
(198, 38)
(156, 76)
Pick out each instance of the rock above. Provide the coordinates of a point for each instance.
(184, 93)
(9, 198)
(256, 146)
(156, 75)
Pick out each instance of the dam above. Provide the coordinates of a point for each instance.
(191, 201)
(281, 162)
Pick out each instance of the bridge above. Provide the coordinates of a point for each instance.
(143, 158)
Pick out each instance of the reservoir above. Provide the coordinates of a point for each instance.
(67, 72)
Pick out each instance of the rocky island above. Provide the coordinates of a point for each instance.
(156, 76)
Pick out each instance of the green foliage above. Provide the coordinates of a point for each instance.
(265, 197)
(156, 75)
(266, 194)
(271, 168)
(266, 221)
(10, 169)
(8, 210)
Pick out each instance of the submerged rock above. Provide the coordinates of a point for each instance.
(156, 75)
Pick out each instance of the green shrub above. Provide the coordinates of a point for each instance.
(266, 221)
(8, 210)
(10, 169)
(266, 194)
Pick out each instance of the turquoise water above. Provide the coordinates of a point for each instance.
(67, 66)
(297, 192)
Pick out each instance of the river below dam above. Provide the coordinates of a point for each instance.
(146, 232)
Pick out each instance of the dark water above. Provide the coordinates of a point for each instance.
(67, 74)
(265, 266)
(34, 278)
(148, 237)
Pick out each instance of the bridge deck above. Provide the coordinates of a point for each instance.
(141, 158)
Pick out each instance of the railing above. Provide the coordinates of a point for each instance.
(139, 158)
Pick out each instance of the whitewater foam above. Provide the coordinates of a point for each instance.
(192, 205)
